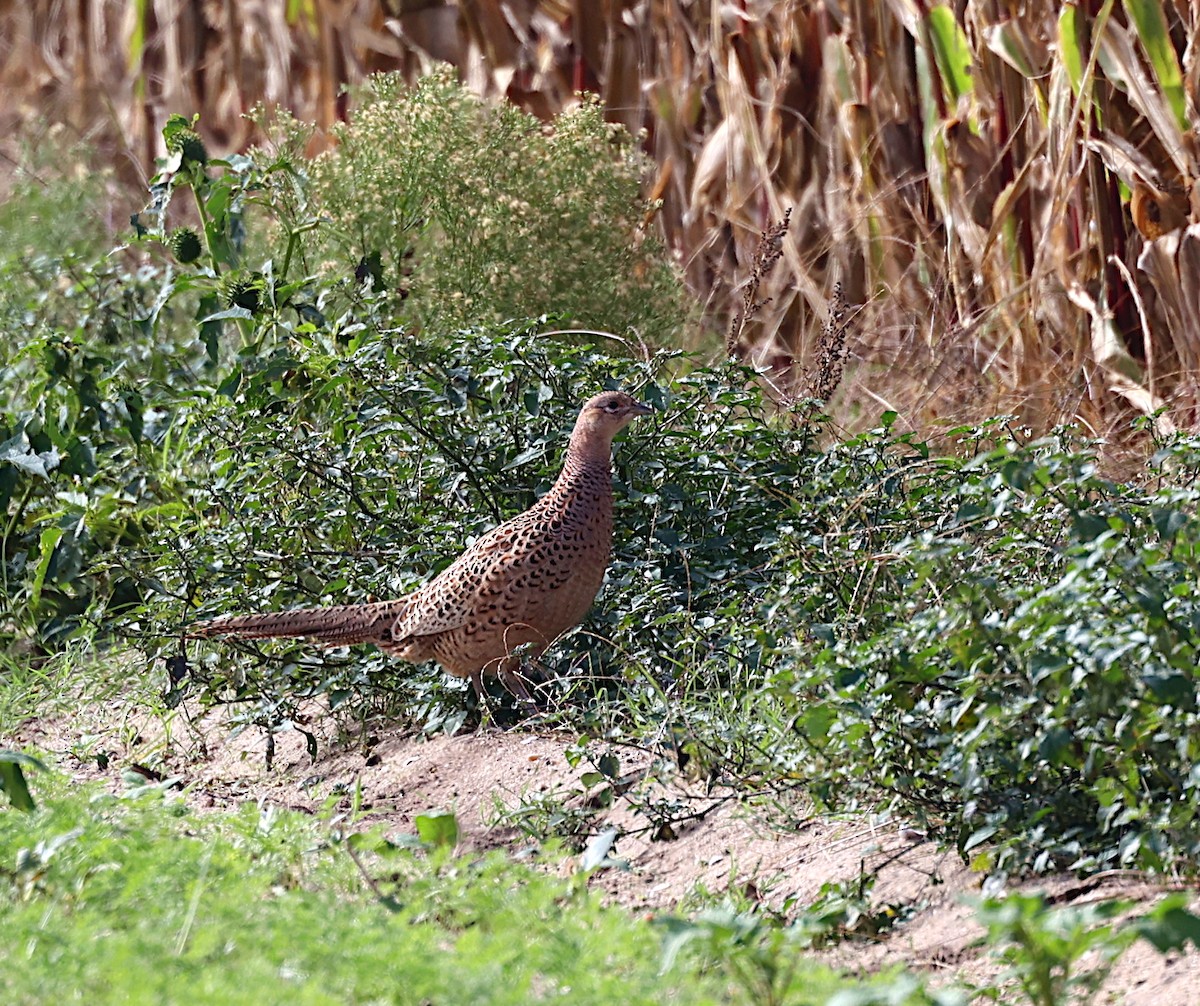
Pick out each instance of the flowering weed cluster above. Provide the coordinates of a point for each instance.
(472, 212)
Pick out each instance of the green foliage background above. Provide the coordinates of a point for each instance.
(995, 639)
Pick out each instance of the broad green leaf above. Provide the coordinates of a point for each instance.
(1169, 925)
(952, 52)
(596, 853)
(226, 314)
(1011, 41)
(12, 778)
(18, 453)
(438, 828)
(979, 836)
(1169, 523)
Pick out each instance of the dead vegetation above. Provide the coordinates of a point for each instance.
(1007, 201)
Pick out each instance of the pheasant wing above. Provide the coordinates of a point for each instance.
(503, 577)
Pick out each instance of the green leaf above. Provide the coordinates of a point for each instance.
(12, 783)
(217, 204)
(226, 314)
(46, 544)
(1169, 523)
(1169, 925)
(210, 331)
(18, 453)
(596, 853)
(979, 836)
(1073, 58)
(1168, 686)
(610, 765)
(1089, 527)
(12, 778)
(1055, 744)
(176, 123)
(1151, 24)
(1010, 40)
(817, 720)
(952, 52)
(438, 828)
(134, 406)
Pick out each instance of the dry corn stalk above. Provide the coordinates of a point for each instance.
(1009, 198)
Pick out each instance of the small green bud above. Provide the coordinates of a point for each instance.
(185, 245)
(188, 143)
(242, 289)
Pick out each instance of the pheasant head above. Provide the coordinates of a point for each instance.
(602, 418)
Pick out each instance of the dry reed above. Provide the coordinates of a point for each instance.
(1006, 200)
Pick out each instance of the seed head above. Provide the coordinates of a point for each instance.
(185, 245)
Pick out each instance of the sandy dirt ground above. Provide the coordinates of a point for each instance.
(496, 781)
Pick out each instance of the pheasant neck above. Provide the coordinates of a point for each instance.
(587, 453)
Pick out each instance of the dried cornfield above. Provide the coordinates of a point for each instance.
(1004, 190)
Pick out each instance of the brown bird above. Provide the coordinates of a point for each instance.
(524, 582)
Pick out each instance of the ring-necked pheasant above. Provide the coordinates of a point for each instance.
(525, 582)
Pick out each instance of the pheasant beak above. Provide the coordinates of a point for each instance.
(640, 409)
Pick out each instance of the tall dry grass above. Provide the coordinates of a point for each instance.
(1004, 191)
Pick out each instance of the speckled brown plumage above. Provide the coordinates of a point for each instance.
(525, 582)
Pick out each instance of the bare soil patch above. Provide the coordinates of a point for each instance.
(729, 843)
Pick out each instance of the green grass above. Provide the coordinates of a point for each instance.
(61, 682)
(137, 899)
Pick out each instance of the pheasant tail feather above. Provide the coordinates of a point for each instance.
(341, 625)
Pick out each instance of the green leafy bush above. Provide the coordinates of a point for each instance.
(471, 212)
(121, 357)
(84, 447)
(1007, 645)
(996, 639)
(1002, 642)
(1061, 955)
